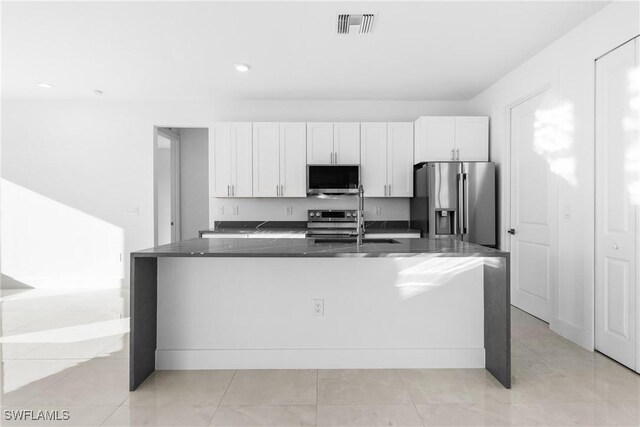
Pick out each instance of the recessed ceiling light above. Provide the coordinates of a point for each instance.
(243, 68)
(45, 85)
(97, 92)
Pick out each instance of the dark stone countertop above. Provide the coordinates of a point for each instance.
(307, 248)
(299, 227)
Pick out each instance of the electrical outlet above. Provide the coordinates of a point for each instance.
(378, 210)
(134, 210)
(235, 210)
(221, 210)
(289, 210)
(318, 307)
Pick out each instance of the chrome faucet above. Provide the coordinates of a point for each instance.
(360, 215)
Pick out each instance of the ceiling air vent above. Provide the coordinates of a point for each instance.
(355, 24)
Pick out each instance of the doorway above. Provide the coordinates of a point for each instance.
(532, 212)
(616, 209)
(167, 186)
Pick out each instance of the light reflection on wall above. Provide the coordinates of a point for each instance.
(554, 139)
(46, 244)
(631, 126)
(431, 274)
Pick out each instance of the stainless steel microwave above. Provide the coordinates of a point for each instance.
(333, 179)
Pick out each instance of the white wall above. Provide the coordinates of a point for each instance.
(194, 182)
(567, 66)
(94, 160)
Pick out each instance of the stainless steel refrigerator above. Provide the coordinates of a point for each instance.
(455, 200)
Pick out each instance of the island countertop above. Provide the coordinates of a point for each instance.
(274, 248)
(146, 267)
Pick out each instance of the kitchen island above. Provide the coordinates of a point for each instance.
(295, 303)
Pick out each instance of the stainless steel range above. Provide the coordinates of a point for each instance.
(332, 223)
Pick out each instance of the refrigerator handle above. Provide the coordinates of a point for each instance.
(460, 205)
(465, 187)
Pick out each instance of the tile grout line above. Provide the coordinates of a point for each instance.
(74, 368)
(222, 398)
(114, 411)
(413, 402)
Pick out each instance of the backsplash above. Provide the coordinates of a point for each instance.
(283, 209)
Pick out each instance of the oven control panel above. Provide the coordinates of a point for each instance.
(317, 215)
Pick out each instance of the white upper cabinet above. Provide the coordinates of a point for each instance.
(293, 155)
(448, 138)
(346, 143)
(230, 160)
(472, 138)
(373, 158)
(320, 143)
(266, 159)
(279, 160)
(387, 159)
(333, 143)
(435, 138)
(400, 159)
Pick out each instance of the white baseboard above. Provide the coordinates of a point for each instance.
(320, 359)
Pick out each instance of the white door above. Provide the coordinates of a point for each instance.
(472, 139)
(220, 160)
(439, 134)
(373, 158)
(346, 143)
(532, 212)
(266, 159)
(319, 143)
(293, 160)
(617, 172)
(167, 187)
(400, 159)
(241, 163)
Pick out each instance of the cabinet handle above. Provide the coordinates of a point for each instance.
(452, 156)
(233, 190)
(389, 190)
(335, 156)
(458, 154)
(282, 191)
(228, 191)
(385, 190)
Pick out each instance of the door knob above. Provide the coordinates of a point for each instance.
(511, 231)
(615, 246)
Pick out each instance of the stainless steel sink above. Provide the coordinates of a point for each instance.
(352, 240)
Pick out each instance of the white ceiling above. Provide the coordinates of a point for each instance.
(166, 50)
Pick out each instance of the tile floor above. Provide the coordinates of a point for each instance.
(68, 350)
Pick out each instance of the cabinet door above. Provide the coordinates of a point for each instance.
(472, 139)
(266, 159)
(439, 135)
(220, 160)
(400, 159)
(373, 159)
(419, 142)
(346, 143)
(241, 160)
(319, 143)
(293, 160)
